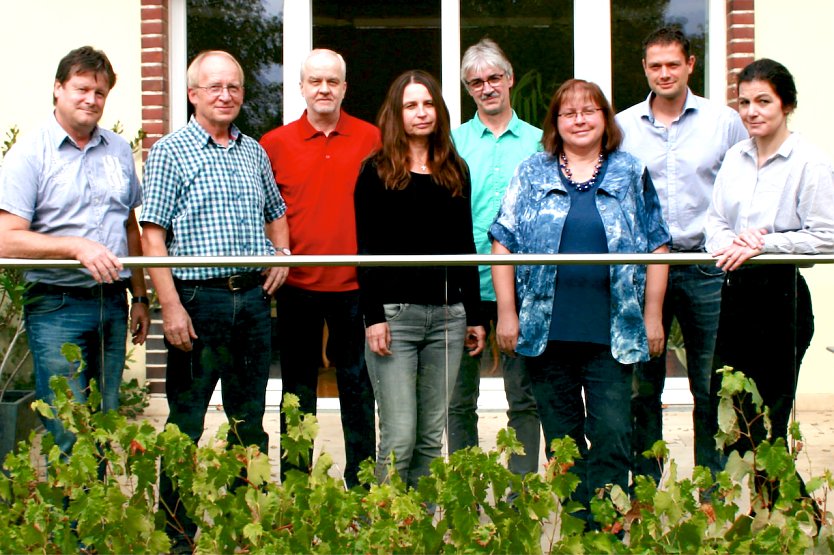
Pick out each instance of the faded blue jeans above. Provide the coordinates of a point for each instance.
(413, 385)
(522, 414)
(693, 295)
(96, 321)
(560, 375)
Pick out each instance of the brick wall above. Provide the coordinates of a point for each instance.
(155, 101)
(740, 42)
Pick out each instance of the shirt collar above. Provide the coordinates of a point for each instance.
(513, 126)
(690, 104)
(204, 138)
(58, 135)
(748, 147)
(307, 131)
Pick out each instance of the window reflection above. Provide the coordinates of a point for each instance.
(252, 32)
(631, 22)
(536, 35)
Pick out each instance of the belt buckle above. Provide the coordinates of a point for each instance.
(230, 283)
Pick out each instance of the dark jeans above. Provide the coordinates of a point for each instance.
(522, 414)
(693, 296)
(766, 326)
(301, 316)
(560, 375)
(97, 323)
(232, 345)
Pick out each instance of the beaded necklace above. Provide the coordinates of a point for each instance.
(581, 187)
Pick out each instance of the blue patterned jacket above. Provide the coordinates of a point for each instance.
(530, 222)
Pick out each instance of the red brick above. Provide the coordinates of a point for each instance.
(153, 57)
(153, 41)
(736, 18)
(153, 113)
(741, 33)
(154, 70)
(151, 84)
(152, 26)
(154, 12)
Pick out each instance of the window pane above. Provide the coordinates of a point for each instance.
(631, 22)
(251, 31)
(537, 36)
(379, 39)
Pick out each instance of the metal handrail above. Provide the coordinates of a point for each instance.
(418, 260)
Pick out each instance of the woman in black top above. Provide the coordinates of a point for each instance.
(412, 197)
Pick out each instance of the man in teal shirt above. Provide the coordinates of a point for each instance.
(493, 143)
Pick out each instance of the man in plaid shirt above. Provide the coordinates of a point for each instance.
(209, 191)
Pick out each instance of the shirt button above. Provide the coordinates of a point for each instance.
(602, 209)
(327, 156)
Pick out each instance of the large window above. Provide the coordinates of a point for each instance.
(536, 35)
(379, 40)
(251, 31)
(631, 22)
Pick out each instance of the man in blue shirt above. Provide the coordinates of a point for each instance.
(209, 191)
(493, 143)
(682, 139)
(67, 191)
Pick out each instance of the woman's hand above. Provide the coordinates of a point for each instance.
(753, 238)
(506, 333)
(475, 340)
(379, 339)
(732, 257)
(654, 333)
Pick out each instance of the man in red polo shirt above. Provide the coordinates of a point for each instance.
(316, 160)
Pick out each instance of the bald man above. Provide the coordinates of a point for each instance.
(316, 161)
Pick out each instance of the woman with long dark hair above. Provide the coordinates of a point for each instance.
(412, 197)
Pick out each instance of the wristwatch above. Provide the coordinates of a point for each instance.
(284, 250)
(140, 299)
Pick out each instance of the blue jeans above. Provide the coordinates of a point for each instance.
(98, 325)
(301, 315)
(413, 385)
(693, 295)
(233, 345)
(560, 375)
(522, 414)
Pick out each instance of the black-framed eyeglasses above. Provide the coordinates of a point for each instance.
(217, 90)
(494, 80)
(586, 113)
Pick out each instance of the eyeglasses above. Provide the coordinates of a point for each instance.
(217, 90)
(586, 113)
(494, 80)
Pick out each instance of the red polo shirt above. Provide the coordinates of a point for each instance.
(316, 175)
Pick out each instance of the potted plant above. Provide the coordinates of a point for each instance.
(16, 393)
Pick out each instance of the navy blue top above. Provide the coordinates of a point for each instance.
(582, 302)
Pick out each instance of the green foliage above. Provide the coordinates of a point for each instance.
(470, 503)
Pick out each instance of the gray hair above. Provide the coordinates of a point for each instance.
(193, 72)
(319, 52)
(485, 53)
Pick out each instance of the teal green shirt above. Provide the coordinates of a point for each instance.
(492, 162)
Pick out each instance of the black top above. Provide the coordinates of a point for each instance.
(423, 218)
(582, 303)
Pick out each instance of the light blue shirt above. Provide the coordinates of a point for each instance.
(214, 200)
(492, 161)
(531, 221)
(66, 191)
(683, 160)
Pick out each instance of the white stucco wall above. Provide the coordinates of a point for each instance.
(38, 33)
(800, 36)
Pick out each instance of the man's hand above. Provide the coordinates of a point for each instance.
(104, 266)
(379, 339)
(654, 333)
(176, 324)
(275, 278)
(140, 322)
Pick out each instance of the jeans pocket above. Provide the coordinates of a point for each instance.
(457, 310)
(709, 270)
(188, 294)
(44, 304)
(394, 310)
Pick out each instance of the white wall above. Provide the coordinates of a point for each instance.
(800, 36)
(38, 33)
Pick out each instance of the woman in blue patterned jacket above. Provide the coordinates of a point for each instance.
(582, 327)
